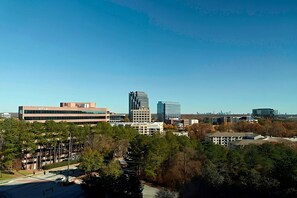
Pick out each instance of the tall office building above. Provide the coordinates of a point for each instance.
(139, 107)
(168, 110)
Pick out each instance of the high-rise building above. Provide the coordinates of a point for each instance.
(139, 107)
(168, 110)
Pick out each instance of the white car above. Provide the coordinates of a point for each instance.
(60, 179)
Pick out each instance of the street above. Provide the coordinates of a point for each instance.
(42, 185)
(48, 185)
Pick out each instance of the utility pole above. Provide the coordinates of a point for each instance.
(185, 167)
(68, 157)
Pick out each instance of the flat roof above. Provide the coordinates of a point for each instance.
(231, 134)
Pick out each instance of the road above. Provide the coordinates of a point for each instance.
(45, 186)
(40, 185)
(149, 191)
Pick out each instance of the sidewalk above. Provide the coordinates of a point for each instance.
(37, 172)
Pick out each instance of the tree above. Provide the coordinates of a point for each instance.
(165, 193)
(91, 160)
(181, 168)
(198, 131)
(158, 151)
(112, 169)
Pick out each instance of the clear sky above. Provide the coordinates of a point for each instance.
(209, 55)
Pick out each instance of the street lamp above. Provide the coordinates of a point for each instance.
(1, 165)
(69, 153)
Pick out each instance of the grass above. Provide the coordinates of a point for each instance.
(16, 174)
(6, 176)
(59, 164)
(21, 173)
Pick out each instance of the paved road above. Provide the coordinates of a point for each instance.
(45, 186)
(40, 185)
(149, 192)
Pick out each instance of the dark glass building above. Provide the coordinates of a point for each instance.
(264, 112)
(168, 110)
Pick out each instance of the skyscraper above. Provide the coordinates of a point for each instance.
(138, 100)
(139, 107)
(168, 110)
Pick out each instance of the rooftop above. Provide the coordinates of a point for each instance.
(231, 134)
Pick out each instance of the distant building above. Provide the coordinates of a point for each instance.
(245, 142)
(144, 128)
(140, 115)
(188, 122)
(139, 110)
(116, 117)
(76, 112)
(224, 119)
(264, 112)
(5, 115)
(181, 133)
(224, 138)
(168, 110)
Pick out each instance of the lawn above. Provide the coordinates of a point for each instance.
(5, 176)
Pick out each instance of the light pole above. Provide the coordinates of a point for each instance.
(1, 166)
(69, 153)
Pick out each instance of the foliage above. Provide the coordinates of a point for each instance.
(179, 163)
(267, 127)
(165, 193)
(198, 131)
(117, 187)
(112, 169)
(91, 160)
(267, 170)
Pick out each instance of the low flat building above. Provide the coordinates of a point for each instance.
(75, 112)
(245, 142)
(188, 122)
(116, 117)
(143, 128)
(224, 138)
(5, 115)
(181, 133)
(264, 112)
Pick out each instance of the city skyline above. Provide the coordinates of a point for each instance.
(207, 56)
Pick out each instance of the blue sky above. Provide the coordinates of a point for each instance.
(209, 55)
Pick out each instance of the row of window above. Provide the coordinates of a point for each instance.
(62, 112)
(66, 118)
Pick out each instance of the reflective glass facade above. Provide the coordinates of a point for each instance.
(168, 110)
(138, 101)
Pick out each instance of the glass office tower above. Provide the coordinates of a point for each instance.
(138, 100)
(139, 107)
(168, 110)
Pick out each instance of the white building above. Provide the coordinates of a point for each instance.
(144, 128)
(181, 133)
(193, 121)
(5, 115)
(224, 138)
